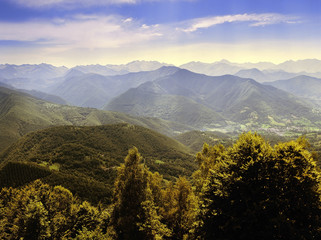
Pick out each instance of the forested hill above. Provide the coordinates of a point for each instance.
(92, 154)
(21, 113)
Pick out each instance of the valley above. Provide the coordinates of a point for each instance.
(59, 121)
(93, 133)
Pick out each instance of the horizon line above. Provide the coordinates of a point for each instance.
(167, 63)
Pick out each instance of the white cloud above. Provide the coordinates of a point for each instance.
(128, 20)
(81, 3)
(88, 39)
(115, 32)
(81, 31)
(254, 19)
(70, 3)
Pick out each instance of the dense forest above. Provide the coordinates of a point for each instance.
(249, 190)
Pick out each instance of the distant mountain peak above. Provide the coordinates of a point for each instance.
(224, 61)
(145, 61)
(168, 68)
(73, 72)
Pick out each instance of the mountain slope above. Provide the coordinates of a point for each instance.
(311, 66)
(303, 86)
(36, 94)
(148, 100)
(38, 71)
(253, 73)
(20, 113)
(265, 75)
(196, 139)
(31, 77)
(99, 69)
(306, 65)
(44, 96)
(93, 90)
(95, 152)
(87, 90)
(237, 99)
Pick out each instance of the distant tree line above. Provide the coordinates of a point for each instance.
(247, 191)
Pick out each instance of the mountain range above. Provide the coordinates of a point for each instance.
(265, 75)
(40, 71)
(217, 101)
(111, 69)
(192, 100)
(94, 90)
(44, 76)
(307, 66)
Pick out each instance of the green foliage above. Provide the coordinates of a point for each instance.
(83, 187)
(88, 158)
(14, 174)
(208, 159)
(21, 114)
(151, 226)
(255, 191)
(95, 151)
(179, 208)
(250, 190)
(38, 211)
(134, 214)
(196, 139)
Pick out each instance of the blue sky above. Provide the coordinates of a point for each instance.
(74, 32)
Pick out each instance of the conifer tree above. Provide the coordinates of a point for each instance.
(134, 215)
(180, 208)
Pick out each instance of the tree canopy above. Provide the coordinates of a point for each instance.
(254, 191)
(250, 190)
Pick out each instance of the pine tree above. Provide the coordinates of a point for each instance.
(134, 215)
(181, 209)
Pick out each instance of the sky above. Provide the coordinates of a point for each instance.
(81, 32)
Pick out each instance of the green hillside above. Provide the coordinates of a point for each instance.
(70, 156)
(303, 86)
(196, 139)
(177, 108)
(45, 96)
(17, 174)
(20, 114)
